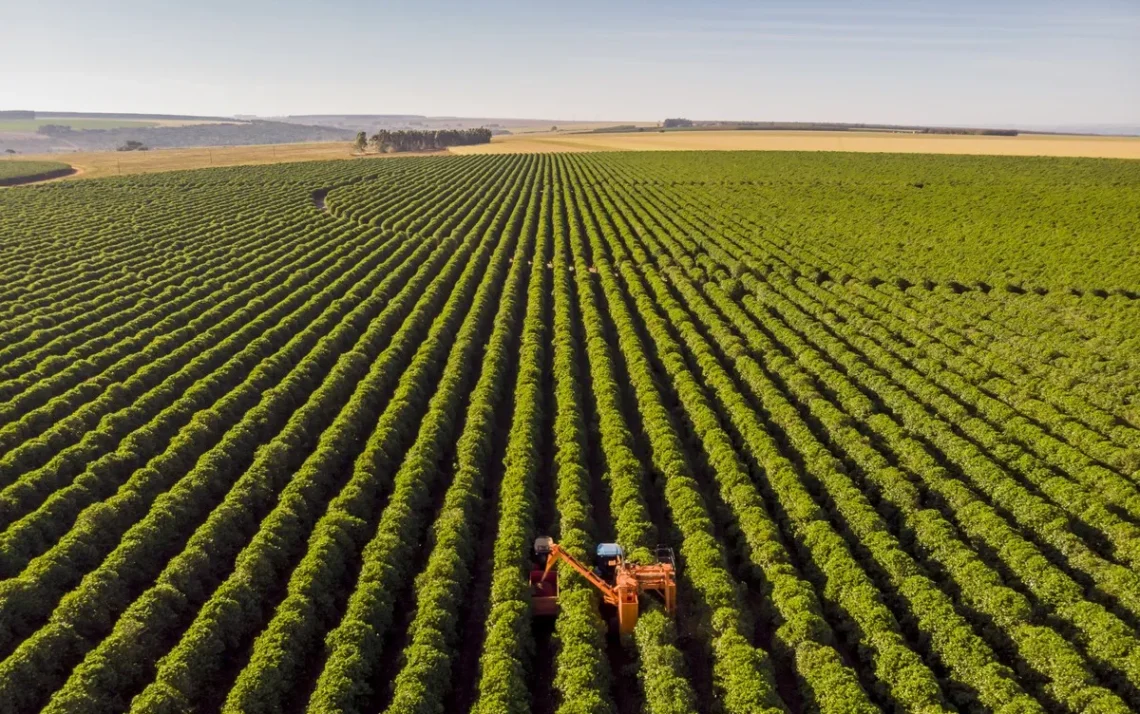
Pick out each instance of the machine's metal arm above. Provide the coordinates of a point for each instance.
(557, 553)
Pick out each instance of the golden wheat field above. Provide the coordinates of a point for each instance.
(876, 142)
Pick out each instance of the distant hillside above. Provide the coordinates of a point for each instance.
(1101, 129)
(122, 115)
(392, 122)
(719, 125)
(62, 138)
(336, 119)
(417, 122)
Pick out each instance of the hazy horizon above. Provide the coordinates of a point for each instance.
(1013, 64)
(1103, 127)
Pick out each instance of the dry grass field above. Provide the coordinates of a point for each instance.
(112, 163)
(94, 164)
(1023, 145)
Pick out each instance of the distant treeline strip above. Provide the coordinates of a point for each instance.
(386, 141)
(121, 115)
(683, 124)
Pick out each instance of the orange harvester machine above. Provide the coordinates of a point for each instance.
(620, 582)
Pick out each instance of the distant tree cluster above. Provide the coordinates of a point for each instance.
(618, 129)
(54, 129)
(676, 123)
(386, 141)
(971, 132)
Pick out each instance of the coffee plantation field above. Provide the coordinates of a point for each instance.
(17, 172)
(279, 438)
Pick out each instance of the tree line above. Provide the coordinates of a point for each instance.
(681, 123)
(385, 141)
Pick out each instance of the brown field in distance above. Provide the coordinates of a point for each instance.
(96, 164)
(1023, 145)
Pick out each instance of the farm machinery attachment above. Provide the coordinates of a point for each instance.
(622, 583)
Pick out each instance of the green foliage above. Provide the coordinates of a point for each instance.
(422, 682)
(1036, 221)
(508, 645)
(884, 408)
(16, 172)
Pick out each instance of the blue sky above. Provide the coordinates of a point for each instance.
(969, 62)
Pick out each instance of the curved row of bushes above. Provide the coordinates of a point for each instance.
(14, 173)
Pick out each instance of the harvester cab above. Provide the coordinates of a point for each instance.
(621, 583)
(609, 556)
